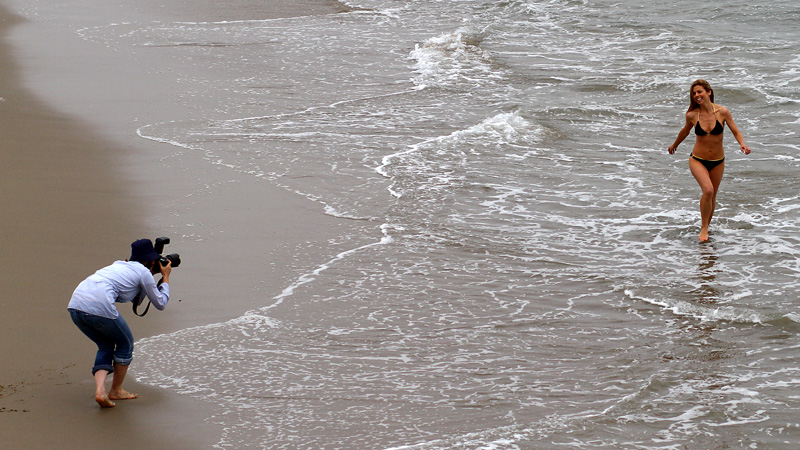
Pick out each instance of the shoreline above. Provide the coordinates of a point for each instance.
(63, 212)
(76, 192)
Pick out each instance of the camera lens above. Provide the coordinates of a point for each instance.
(174, 258)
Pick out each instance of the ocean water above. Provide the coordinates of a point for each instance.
(525, 271)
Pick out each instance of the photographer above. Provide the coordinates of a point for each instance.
(93, 311)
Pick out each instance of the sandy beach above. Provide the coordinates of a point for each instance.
(76, 190)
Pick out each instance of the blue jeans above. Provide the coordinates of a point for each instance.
(113, 338)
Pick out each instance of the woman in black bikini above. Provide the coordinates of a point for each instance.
(707, 161)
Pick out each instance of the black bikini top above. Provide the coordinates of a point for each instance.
(718, 128)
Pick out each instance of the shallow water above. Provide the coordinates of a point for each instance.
(531, 276)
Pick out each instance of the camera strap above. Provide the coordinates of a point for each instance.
(137, 302)
(135, 307)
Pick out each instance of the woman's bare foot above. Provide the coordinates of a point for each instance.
(104, 401)
(122, 395)
(703, 235)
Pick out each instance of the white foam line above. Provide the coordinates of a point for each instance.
(314, 108)
(387, 160)
(500, 437)
(255, 315)
(141, 134)
(706, 314)
(309, 110)
(309, 277)
(280, 20)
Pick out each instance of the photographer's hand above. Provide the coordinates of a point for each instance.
(165, 271)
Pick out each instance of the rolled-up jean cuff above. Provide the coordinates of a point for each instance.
(123, 361)
(110, 369)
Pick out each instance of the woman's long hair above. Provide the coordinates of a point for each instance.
(693, 104)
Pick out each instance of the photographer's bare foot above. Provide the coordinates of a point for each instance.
(104, 401)
(122, 395)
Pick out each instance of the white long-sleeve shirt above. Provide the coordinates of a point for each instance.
(120, 282)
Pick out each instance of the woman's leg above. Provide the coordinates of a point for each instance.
(123, 354)
(716, 180)
(116, 392)
(92, 326)
(100, 395)
(114, 342)
(709, 182)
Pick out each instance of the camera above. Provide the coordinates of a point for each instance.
(159, 248)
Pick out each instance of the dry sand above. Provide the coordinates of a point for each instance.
(76, 190)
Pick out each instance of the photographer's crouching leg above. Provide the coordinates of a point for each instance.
(116, 392)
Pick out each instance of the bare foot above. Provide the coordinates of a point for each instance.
(122, 395)
(703, 235)
(104, 401)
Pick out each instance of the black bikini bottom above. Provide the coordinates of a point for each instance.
(709, 164)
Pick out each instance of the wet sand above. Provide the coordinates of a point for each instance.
(76, 190)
